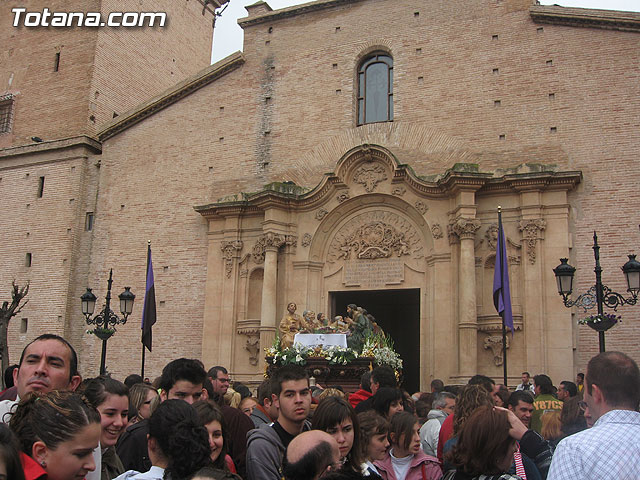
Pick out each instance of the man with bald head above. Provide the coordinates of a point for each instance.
(310, 455)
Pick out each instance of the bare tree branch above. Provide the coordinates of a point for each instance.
(8, 311)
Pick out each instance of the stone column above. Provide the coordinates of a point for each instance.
(268, 322)
(466, 229)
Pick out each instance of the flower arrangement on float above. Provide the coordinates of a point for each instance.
(380, 348)
(376, 346)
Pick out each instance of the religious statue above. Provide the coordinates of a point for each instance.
(291, 324)
(339, 324)
(360, 327)
(310, 323)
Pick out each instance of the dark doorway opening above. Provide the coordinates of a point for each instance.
(398, 313)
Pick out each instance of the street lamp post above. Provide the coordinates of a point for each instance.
(598, 295)
(106, 320)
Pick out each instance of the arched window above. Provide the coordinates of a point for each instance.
(375, 89)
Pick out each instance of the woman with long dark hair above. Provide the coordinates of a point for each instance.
(388, 401)
(211, 417)
(406, 460)
(178, 443)
(337, 417)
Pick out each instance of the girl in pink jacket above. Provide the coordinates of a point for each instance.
(406, 460)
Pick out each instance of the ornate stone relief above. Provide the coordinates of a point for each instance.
(343, 196)
(421, 207)
(306, 240)
(370, 175)
(251, 328)
(374, 235)
(494, 342)
(268, 240)
(531, 231)
(320, 214)
(291, 240)
(436, 230)
(229, 251)
(398, 191)
(491, 235)
(465, 227)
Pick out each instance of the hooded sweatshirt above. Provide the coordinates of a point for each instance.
(265, 452)
(430, 430)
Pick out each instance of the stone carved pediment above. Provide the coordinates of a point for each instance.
(373, 235)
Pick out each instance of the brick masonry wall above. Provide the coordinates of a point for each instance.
(288, 114)
(101, 70)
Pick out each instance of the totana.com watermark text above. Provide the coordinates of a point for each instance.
(47, 18)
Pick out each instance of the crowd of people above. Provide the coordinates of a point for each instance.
(190, 423)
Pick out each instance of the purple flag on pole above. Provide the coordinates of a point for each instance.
(501, 292)
(149, 310)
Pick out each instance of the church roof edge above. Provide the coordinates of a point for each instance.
(171, 95)
(586, 17)
(292, 11)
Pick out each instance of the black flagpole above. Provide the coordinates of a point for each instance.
(146, 274)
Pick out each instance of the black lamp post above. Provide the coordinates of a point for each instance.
(598, 295)
(106, 320)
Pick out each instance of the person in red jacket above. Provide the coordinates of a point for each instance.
(365, 390)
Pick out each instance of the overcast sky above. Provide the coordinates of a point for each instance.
(228, 35)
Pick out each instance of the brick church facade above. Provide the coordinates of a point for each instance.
(356, 151)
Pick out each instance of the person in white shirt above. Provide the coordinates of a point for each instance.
(526, 383)
(611, 448)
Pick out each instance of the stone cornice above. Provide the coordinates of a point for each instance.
(172, 95)
(89, 143)
(533, 181)
(586, 17)
(271, 16)
(288, 196)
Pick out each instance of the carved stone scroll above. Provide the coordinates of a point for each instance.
(421, 207)
(531, 231)
(229, 251)
(320, 214)
(306, 240)
(494, 342)
(370, 175)
(343, 196)
(398, 191)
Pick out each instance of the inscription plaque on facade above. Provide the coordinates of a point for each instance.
(374, 273)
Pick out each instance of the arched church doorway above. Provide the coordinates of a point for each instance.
(398, 313)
